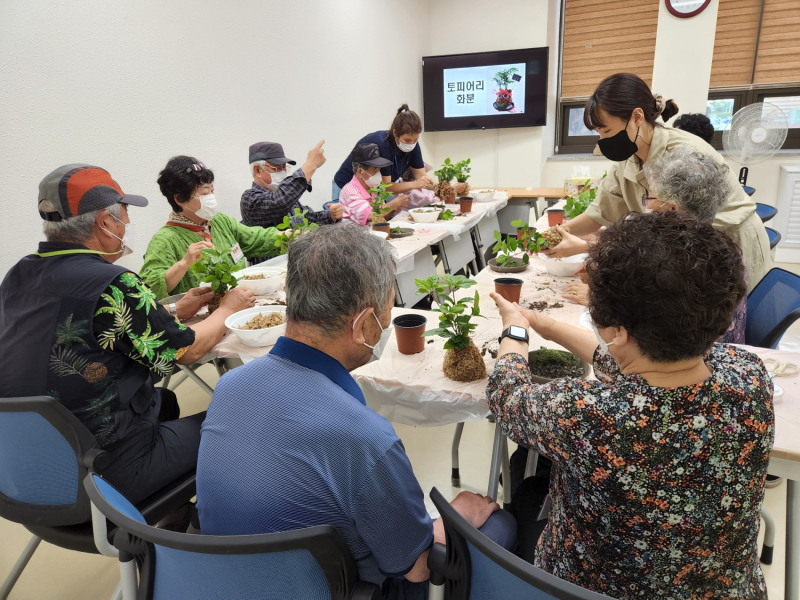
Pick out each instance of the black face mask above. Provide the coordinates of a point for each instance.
(619, 147)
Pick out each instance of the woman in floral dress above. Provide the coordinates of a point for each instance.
(659, 464)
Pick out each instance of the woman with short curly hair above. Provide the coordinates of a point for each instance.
(660, 463)
(195, 224)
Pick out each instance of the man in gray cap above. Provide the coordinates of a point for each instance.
(275, 193)
(78, 328)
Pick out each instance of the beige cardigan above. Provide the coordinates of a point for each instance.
(621, 193)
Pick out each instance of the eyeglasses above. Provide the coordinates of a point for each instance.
(646, 198)
(278, 168)
(196, 167)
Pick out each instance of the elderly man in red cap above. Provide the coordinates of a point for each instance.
(89, 333)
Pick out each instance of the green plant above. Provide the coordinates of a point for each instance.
(380, 194)
(446, 215)
(455, 315)
(462, 170)
(547, 356)
(503, 78)
(396, 230)
(505, 248)
(531, 240)
(297, 224)
(447, 172)
(578, 203)
(216, 266)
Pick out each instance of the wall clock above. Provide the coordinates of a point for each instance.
(684, 9)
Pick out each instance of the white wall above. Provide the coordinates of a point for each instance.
(127, 85)
(500, 157)
(682, 62)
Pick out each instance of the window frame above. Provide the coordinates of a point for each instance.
(566, 144)
(745, 97)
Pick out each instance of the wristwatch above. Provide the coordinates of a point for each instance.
(515, 332)
(173, 309)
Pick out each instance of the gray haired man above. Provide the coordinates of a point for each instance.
(292, 434)
(276, 192)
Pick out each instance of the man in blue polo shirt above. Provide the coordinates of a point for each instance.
(288, 441)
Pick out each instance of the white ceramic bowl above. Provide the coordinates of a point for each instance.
(482, 195)
(425, 215)
(563, 267)
(272, 283)
(256, 337)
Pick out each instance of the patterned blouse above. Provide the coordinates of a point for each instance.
(655, 491)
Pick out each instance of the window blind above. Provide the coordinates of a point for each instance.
(735, 42)
(602, 38)
(778, 59)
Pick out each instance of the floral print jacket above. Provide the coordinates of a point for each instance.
(655, 491)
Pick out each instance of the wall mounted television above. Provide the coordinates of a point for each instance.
(485, 90)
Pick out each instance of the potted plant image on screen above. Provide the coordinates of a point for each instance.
(505, 80)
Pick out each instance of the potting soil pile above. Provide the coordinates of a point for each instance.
(465, 364)
(264, 321)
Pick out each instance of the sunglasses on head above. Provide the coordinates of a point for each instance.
(196, 167)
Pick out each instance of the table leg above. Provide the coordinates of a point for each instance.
(398, 297)
(506, 467)
(792, 576)
(497, 457)
(531, 463)
(443, 256)
(476, 237)
(455, 476)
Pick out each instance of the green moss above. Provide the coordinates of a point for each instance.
(546, 356)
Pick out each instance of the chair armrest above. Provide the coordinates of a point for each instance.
(436, 561)
(366, 591)
(168, 499)
(96, 460)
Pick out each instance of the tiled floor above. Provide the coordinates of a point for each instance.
(56, 574)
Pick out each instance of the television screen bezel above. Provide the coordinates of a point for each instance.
(433, 91)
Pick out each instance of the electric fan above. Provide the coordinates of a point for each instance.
(756, 133)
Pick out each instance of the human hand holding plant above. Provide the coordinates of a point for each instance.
(568, 246)
(291, 228)
(193, 252)
(216, 267)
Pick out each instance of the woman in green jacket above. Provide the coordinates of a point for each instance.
(194, 224)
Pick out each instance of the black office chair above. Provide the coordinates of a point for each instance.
(45, 452)
(312, 563)
(472, 566)
(765, 212)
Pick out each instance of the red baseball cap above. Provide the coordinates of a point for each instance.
(77, 189)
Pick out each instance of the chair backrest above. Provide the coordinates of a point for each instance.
(480, 569)
(313, 563)
(774, 237)
(42, 445)
(772, 306)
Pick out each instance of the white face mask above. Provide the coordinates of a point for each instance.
(406, 147)
(127, 238)
(603, 344)
(275, 177)
(208, 207)
(374, 180)
(377, 349)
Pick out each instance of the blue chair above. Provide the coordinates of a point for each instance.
(774, 238)
(45, 452)
(772, 306)
(326, 206)
(765, 212)
(472, 566)
(313, 563)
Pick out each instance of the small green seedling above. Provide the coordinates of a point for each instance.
(297, 225)
(455, 315)
(216, 266)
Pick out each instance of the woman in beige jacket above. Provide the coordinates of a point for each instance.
(623, 111)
